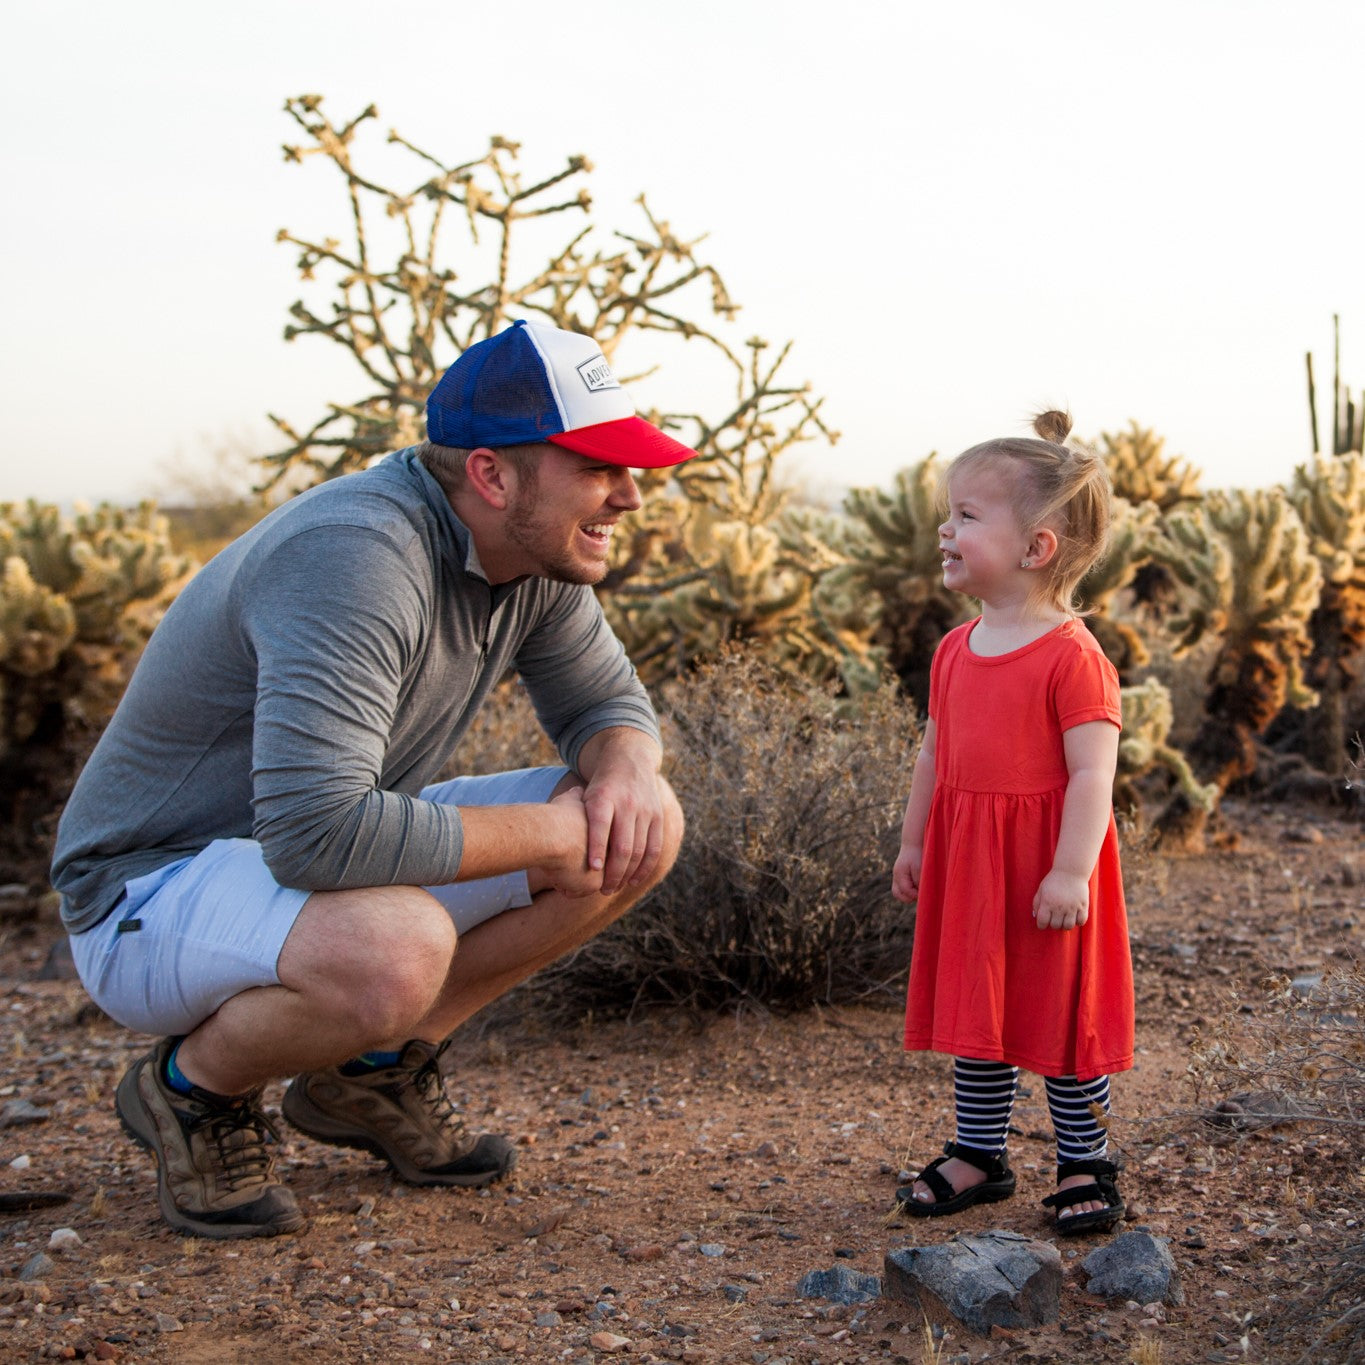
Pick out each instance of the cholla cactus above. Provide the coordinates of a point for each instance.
(403, 310)
(1145, 745)
(1248, 577)
(68, 631)
(740, 583)
(895, 565)
(1329, 495)
(1130, 548)
(1140, 472)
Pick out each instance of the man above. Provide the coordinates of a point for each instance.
(254, 864)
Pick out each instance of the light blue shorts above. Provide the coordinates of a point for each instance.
(212, 926)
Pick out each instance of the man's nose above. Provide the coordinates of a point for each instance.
(626, 493)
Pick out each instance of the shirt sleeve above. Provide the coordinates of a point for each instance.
(1086, 686)
(578, 675)
(333, 617)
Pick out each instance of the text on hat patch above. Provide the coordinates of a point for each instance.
(596, 374)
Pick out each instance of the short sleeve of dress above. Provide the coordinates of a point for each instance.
(1086, 685)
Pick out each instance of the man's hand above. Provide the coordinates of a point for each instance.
(571, 872)
(624, 807)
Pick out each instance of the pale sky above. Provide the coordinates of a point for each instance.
(959, 212)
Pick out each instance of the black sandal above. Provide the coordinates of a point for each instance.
(998, 1184)
(1102, 1187)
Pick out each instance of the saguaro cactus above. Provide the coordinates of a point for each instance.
(1247, 576)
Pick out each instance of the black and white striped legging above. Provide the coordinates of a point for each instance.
(985, 1092)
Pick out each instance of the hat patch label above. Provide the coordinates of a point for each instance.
(597, 375)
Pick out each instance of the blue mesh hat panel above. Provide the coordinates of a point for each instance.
(495, 394)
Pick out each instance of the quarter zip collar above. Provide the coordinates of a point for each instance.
(457, 541)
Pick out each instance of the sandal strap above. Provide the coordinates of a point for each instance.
(995, 1165)
(1091, 1166)
(938, 1184)
(1104, 1190)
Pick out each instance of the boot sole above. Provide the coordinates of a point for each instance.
(307, 1118)
(130, 1109)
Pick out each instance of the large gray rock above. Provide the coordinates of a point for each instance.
(997, 1279)
(1135, 1266)
(839, 1284)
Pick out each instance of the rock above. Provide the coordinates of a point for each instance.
(166, 1323)
(58, 965)
(21, 1162)
(839, 1284)
(38, 1267)
(736, 1293)
(608, 1341)
(651, 1251)
(63, 1239)
(19, 1112)
(1136, 1266)
(1303, 834)
(1248, 1110)
(997, 1279)
(712, 1249)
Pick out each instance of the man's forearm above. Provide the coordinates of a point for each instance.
(619, 745)
(499, 839)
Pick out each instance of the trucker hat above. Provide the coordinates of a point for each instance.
(533, 383)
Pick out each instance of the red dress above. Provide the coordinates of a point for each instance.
(985, 982)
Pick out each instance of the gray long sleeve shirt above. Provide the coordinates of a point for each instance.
(312, 678)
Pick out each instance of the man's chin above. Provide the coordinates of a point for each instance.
(583, 572)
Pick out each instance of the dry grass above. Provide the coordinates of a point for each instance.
(781, 894)
(1300, 1058)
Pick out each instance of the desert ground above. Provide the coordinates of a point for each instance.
(679, 1175)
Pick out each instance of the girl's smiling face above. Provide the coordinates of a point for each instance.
(981, 539)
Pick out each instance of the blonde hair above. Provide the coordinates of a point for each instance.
(1064, 488)
(446, 463)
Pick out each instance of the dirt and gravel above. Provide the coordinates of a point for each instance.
(678, 1177)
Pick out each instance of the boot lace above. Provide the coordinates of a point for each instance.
(237, 1134)
(426, 1080)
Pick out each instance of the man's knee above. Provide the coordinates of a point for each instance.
(385, 952)
(675, 825)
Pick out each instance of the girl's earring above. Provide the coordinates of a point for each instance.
(1023, 563)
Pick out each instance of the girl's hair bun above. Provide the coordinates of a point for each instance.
(1053, 426)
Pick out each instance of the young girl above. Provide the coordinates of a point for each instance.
(1008, 845)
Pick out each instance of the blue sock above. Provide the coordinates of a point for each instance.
(175, 1078)
(369, 1061)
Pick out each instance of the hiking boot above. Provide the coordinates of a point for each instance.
(214, 1176)
(401, 1113)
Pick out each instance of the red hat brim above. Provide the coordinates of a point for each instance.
(630, 441)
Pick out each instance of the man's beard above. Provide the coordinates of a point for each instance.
(530, 532)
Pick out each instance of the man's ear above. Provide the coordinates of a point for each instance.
(488, 476)
(1042, 546)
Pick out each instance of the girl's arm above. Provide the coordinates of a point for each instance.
(905, 877)
(1092, 750)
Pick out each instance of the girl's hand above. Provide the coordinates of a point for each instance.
(1062, 901)
(905, 876)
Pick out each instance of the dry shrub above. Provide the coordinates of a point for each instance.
(1300, 1058)
(781, 895)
